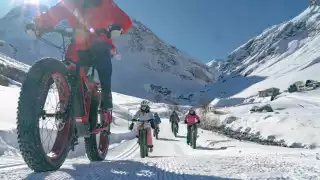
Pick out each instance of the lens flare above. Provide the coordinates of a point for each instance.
(32, 1)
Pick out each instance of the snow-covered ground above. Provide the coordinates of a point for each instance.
(295, 118)
(216, 156)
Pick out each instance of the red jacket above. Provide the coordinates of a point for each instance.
(191, 119)
(102, 16)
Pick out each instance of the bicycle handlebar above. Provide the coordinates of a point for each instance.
(135, 120)
(68, 32)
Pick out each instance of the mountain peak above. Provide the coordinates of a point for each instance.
(215, 62)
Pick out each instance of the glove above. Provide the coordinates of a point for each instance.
(198, 122)
(185, 122)
(33, 30)
(131, 126)
(114, 31)
(153, 126)
(115, 54)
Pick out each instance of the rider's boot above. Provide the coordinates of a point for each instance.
(150, 148)
(74, 140)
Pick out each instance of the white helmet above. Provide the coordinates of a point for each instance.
(144, 103)
(144, 106)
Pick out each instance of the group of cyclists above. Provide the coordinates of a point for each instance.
(153, 120)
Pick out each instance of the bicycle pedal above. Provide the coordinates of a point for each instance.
(74, 142)
(99, 130)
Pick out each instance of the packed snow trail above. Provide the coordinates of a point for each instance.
(216, 157)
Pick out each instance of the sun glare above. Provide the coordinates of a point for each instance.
(32, 1)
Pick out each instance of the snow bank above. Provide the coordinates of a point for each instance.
(227, 102)
(295, 119)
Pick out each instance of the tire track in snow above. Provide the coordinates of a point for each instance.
(9, 163)
(127, 154)
(11, 166)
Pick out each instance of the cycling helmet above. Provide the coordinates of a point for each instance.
(144, 105)
(192, 111)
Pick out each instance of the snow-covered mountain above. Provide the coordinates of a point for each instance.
(275, 44)
(145, 59)
(215, 65)
(279, 57)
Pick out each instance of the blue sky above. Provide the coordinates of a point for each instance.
(207, 29)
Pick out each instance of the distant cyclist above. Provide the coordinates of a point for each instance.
(144, 114)
(156, 121)
(191, 119)
(174, 119)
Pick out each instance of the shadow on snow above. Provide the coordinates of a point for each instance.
(208, 148)
(166, 139)
(116, 170)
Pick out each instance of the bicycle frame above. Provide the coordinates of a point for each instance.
(194, 128)
(83, 90)
(193, 133)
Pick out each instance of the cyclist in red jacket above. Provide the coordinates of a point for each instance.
(190, 119)
(96, 23)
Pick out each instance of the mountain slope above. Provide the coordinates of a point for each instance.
(145, 59)
(280, 56)
(274, 45)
